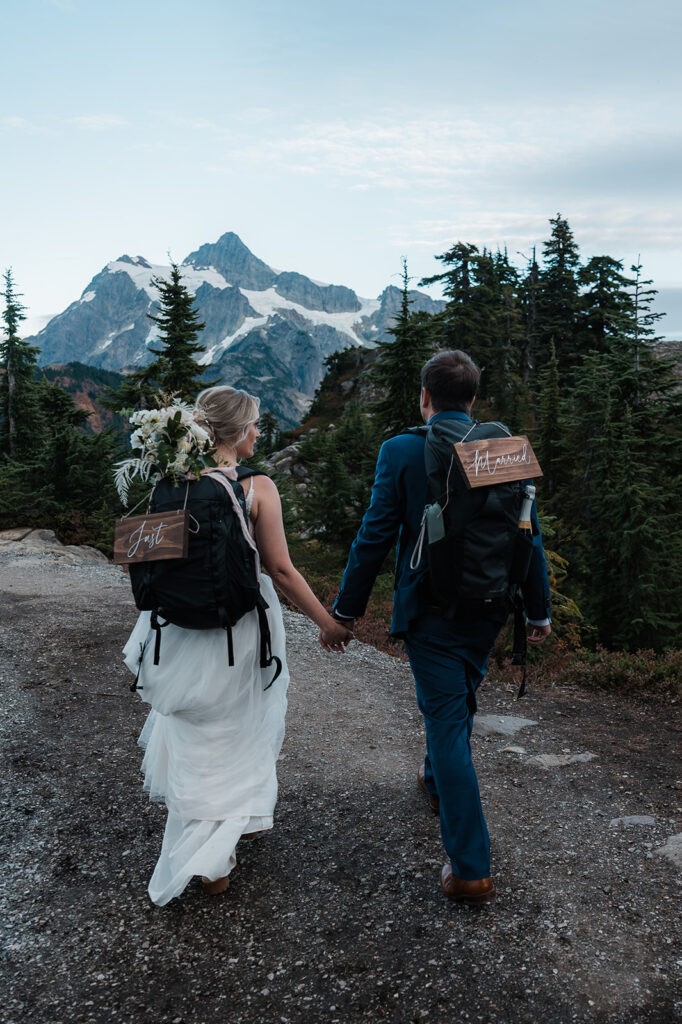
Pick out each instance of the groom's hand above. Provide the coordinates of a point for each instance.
(335, 639)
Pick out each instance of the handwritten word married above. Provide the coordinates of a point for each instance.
(496, 460)
(482, 463)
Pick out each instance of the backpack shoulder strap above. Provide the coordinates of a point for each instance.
(244, 472)
(230, 491)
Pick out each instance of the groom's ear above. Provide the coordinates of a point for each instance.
(425, 404)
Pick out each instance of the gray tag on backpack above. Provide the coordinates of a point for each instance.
(435, 523)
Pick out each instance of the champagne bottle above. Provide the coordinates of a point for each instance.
(525, 524)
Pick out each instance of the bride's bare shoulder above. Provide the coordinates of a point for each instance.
(264, 487)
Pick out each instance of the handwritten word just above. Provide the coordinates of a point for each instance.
(151, 537)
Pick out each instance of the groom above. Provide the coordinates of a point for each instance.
(448, 656)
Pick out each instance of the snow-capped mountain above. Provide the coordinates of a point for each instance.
(266, 331)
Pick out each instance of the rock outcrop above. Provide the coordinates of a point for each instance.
(30, 543)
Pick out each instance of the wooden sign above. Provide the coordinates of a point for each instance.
(496, 460)
(151, 538)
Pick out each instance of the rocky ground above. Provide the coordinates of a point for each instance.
(337, 914)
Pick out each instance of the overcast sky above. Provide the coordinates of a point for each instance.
(335, 138)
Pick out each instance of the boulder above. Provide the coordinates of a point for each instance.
(559, 760)
(7, 536)
(500, 725)
(672, 850)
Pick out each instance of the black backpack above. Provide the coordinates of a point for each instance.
(480, 552)
(476, 555)
(217, 583)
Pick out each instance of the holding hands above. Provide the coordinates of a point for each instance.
(335, 635)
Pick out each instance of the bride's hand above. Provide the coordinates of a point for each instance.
(335, 636)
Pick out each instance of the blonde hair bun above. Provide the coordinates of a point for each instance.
(226, 413)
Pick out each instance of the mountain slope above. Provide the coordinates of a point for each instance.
(265, 330)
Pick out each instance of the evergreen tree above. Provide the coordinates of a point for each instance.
(558, 296)
(136, 391)
(483, 317)
(606, 304)
(67, 483)
(19, 408)
(269, 432)
(397, 370)
(627, 428)
(175, 370)
(341, 466)
(179, 326)
(528, 298)
(550, 429)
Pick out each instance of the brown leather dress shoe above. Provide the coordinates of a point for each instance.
(217, 886)
(434, 802)
(480, 890)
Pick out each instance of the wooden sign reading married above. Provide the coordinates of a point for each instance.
(497, 460)
(151, 538)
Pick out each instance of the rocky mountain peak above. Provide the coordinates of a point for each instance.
(135, 261)
(235, 261)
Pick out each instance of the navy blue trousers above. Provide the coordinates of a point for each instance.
(448, 661)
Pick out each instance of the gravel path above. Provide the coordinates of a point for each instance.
(337, 914)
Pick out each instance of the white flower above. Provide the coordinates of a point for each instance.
(191, 443)
(201, 435)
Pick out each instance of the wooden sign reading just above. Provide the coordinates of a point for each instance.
(497, 460)
(151, 538)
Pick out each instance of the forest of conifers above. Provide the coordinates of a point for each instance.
(569, 355)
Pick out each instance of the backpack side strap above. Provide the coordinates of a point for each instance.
(266, 655)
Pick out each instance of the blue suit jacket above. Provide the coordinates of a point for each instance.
(395, 511)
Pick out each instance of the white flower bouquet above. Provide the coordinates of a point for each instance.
(167, 442)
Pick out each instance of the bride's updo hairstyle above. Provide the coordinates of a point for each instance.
(226, 413)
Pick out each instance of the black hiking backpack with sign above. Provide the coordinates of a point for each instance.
(217, 583)
(474, 548)
(476, 555)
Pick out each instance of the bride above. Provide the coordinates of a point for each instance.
(214, 733)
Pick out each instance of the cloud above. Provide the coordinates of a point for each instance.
(63, 5)
(14, 122)
(97, 122)
(389, 154)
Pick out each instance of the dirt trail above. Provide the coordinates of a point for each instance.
(337, 914)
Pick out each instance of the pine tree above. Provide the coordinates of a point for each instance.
(606, 303)
(269, 432)
(549, 402)
(136, 391)
(483, 317)
(397, 370)
(453, 326)
(19, 409)
(528, 298)
(179, 326)
(175, 370)
(558, 298)
(341, 466)
(67, 483)
(628, 432)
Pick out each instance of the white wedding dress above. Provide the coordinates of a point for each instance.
(212, 739)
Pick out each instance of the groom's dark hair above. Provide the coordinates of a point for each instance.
(451, 378)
